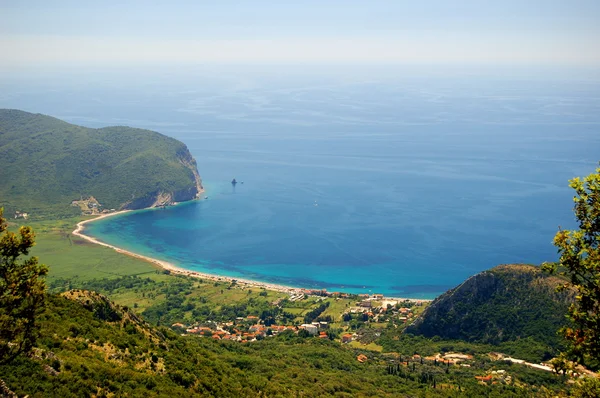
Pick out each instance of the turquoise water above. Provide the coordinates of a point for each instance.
(401, 186)
(406, 214)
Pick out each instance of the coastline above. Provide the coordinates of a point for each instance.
(79, 231)
(173, 268)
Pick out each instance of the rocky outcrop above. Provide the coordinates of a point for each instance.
(186, 159)
(162, 198)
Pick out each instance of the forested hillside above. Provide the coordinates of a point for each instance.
(47, 163)
(506, 303)
(89, 346)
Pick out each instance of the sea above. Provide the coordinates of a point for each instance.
(403, 183)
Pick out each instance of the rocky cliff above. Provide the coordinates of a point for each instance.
(164, 198)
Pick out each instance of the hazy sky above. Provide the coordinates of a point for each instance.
(507, 32)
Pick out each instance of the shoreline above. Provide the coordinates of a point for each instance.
(80, 227)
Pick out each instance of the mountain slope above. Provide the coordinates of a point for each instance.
(91, 347)
(46, 163)
(506, 303)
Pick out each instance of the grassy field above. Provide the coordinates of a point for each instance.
(337, 307)
(73, 261)
(70, 257)
(370, 346)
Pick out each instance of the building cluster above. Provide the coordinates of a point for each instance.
(22, 215)
(90, 206)
(301, 293)
(242, 329)
(250, 329)
(372, 308)
(381, 311)
(315, 328)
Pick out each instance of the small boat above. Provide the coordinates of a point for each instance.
(206, 197)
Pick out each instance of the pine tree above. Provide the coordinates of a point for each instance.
(22, 291)
(580, 261)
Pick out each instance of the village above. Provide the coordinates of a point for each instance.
(343, 327)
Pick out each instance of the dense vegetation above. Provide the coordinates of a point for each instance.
(47, 163)
(505, 304)
(22, 291)
(90, 346)
(580, 262)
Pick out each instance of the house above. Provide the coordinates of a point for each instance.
(484, 379)
(362, 358)
(366, 304)
(378, 296)
(18, 214)
(311, 329)
(346, 338)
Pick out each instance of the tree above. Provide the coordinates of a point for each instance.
(579, 261)
(21, 291)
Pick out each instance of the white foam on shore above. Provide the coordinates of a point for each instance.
(180, 271)
(173, 268)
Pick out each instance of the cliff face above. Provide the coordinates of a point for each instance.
(506, 303)
(162, 197)
(186, 159)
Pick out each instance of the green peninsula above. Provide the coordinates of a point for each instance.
(53, 169)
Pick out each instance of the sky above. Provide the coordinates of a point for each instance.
(396, 32)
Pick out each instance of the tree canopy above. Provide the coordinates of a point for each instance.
(21, 291)
(580, 261)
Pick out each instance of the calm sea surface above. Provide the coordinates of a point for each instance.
(398, 187)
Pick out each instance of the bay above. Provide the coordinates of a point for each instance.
(404, 187)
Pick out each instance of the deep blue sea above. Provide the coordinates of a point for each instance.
(401, 186)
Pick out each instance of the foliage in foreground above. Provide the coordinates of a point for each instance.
(21, 291)
(91, 347)
(580, 261)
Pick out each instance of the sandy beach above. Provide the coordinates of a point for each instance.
(180, 271)
(171, 267)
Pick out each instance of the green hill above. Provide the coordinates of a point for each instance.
(92, 347)
(506, 303)
(47, 163)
